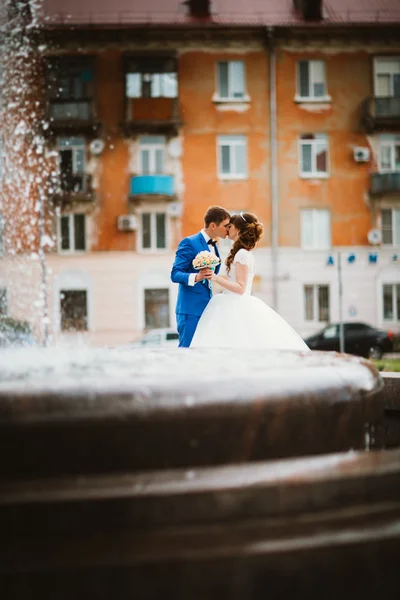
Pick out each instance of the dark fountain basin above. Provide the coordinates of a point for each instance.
(192, 474)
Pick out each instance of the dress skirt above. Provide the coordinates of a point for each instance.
(234, 321)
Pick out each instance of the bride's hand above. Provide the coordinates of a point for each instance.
(214, 277)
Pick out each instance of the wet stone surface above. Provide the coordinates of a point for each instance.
(109, 411)
(193, 474)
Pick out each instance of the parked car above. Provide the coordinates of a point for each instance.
(156, 338)
(359, 338)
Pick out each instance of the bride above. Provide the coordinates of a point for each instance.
(235, 318)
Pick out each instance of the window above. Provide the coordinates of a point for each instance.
(387, 77)
(315, 229)
(152, 153)
(330, 332)
(72, 164)
(151, 77)
(154, 231)
(391, 301)
(356, 328)
(311, 79)
(316, 303)
(72, 233)
(151, 85)
(3, 302)
(314, 155)
(231, 80)
(156, 308)
(389, 153)
(1, 234)
(70, 84)
(232, 157)
(73, 309)
(391, 226)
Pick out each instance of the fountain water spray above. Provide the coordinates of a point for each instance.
(30, 171)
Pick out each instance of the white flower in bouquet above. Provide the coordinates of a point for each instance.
(205, 259)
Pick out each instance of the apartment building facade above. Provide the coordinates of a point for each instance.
(294, 116)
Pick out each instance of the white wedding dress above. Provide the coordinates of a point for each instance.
(243, 321)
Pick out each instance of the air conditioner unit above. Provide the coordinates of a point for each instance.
(361, 154)
(96, 146)
(374, 236)
(174, 209)
(127, 222)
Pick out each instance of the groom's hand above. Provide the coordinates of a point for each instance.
(203, 274)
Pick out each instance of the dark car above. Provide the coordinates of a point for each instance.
(359, 338)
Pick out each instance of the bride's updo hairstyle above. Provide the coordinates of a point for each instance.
(250, 232)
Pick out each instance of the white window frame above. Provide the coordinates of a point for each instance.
(71, 249)
(232, 141)
(389, 142)
(74, 146)
(395, 227)
(314, 174)
(244, 97)
(152, 148)
(382, 59)
(68, 288)
(153, 211)
(157, 287)
(316, 307)
(157, 81)
(311, 68)
(396, 317)
(314, 243)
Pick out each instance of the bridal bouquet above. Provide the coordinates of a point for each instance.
(205, 259)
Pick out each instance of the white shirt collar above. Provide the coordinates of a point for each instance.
(205, 235)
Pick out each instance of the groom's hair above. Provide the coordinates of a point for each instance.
(215, 214)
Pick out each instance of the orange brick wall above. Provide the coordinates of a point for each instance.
(344, 192)
(203, 122)
(114, 175)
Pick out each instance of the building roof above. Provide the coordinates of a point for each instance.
(224, 12)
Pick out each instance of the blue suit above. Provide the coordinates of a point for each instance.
(192, 299)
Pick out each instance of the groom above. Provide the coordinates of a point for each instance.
(194, 293)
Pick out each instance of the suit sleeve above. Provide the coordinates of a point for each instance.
(182, 267)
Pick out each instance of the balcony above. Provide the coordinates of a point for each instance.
(381, 113)
(152, 185)
(72, 115)
(74, 188)
(70, 85)
(152, 115)
(384, 183)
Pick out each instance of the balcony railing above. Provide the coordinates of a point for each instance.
(385, 183)
(75, 188)
(387, 108)
(381, 112)
(152, 115)
(72, 114)
(149, 185)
